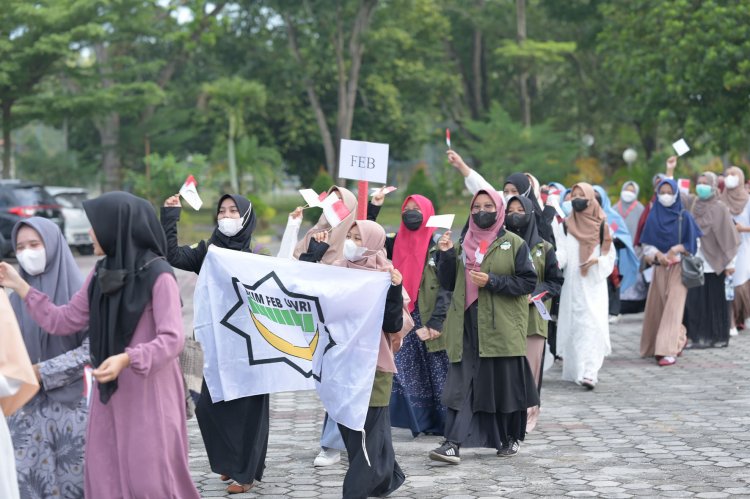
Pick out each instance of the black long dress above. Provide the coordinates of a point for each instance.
(706, 315)
(235, 433)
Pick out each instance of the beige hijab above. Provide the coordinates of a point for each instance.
(735, 199)
(720, 241)
(337, 237)
(14, 360)
(586, 226)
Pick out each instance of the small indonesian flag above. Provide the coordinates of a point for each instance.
(684, 185)
(334, 210)
(481, 251)
(386, 190)
(613, 227)
(448, 137)
(189, 192)
(312, 198)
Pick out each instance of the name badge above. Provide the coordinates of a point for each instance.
(505, 246)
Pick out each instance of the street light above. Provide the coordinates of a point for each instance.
(630, 155)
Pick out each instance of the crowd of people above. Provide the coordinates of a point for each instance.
(466, 325)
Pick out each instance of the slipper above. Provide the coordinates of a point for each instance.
(238, 488)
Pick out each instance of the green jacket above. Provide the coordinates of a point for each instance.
(503, 312)
(433, 301)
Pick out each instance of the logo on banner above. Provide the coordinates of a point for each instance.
(289, 325)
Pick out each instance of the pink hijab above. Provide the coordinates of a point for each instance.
(375, 258)
(474, 237)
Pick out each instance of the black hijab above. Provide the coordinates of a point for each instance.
(523, 185)
(529, 232)
(135, 246)
(241, 240)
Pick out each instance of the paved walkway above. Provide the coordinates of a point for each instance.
(679, 431)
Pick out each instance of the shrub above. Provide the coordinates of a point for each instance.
(419, 183)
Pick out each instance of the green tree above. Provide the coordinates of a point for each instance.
(37, 37)
(236, 98)
(420, 183)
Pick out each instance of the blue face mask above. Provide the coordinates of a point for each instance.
(703, 191)
(567, 207)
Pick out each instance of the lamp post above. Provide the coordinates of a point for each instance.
(630, 155)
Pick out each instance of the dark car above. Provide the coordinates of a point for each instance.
(19, 200)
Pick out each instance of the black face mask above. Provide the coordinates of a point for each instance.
(579, 204)
(516, 222)
(484, 219)
(412, 219)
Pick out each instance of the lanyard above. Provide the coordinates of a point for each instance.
(619, 208)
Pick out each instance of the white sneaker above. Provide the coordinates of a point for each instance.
(614, 319)
(327, 457)
(747, 324)
(733, 332)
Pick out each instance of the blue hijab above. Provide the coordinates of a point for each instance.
(662, 229)
(628, 262)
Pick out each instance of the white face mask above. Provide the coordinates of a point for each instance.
(232, 226)
(667, 200)
(731, 181)
(33, 261)
(352, 252)
(627, 196)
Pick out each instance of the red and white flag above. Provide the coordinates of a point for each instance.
(189, 192)
(334, 209)
(481, 251)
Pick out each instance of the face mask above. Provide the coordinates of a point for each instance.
(627, 196)
(703, 191)
(33, 261)
(732, 181)
(567, 207)
(232, 226)
(579, 204)
(484, 219)
(516, 222)
(667, 200)
(412, 219)
(352, 252)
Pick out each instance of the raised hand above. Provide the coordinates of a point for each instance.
(445, 243)
(173, 202)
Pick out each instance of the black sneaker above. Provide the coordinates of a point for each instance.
(509, 450)
(446, 453)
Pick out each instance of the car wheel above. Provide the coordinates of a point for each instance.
(86, 249)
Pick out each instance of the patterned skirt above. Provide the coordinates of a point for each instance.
(418, 385)
(48, 438)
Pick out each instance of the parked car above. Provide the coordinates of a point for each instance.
(19, 200)
(76, 222)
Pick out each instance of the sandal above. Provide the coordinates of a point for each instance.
(239, 488)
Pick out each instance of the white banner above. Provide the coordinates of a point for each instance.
(272, 325)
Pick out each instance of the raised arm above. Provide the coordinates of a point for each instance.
(60, 320)
(182, 257)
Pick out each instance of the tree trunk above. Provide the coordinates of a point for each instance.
(231, 157)
(109, 136)
(7, 145)
(320, 117)
(476, 65)
(524, 75)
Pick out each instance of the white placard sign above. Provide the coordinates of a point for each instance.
(681, 147)
(363, 161)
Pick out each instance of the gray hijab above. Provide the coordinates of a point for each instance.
(60, 280)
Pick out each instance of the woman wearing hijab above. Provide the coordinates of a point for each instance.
(628, 206)
(516, 184)
(587, 257)
(664, 241)
(136, 441)
(655, 181)
(490, 386)
(706, 308)
(58, 411)
(736, 198)
(422, 362)
(18, 384)
(308, 249)
(373, 470)
(519, 219)
(234, 432)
